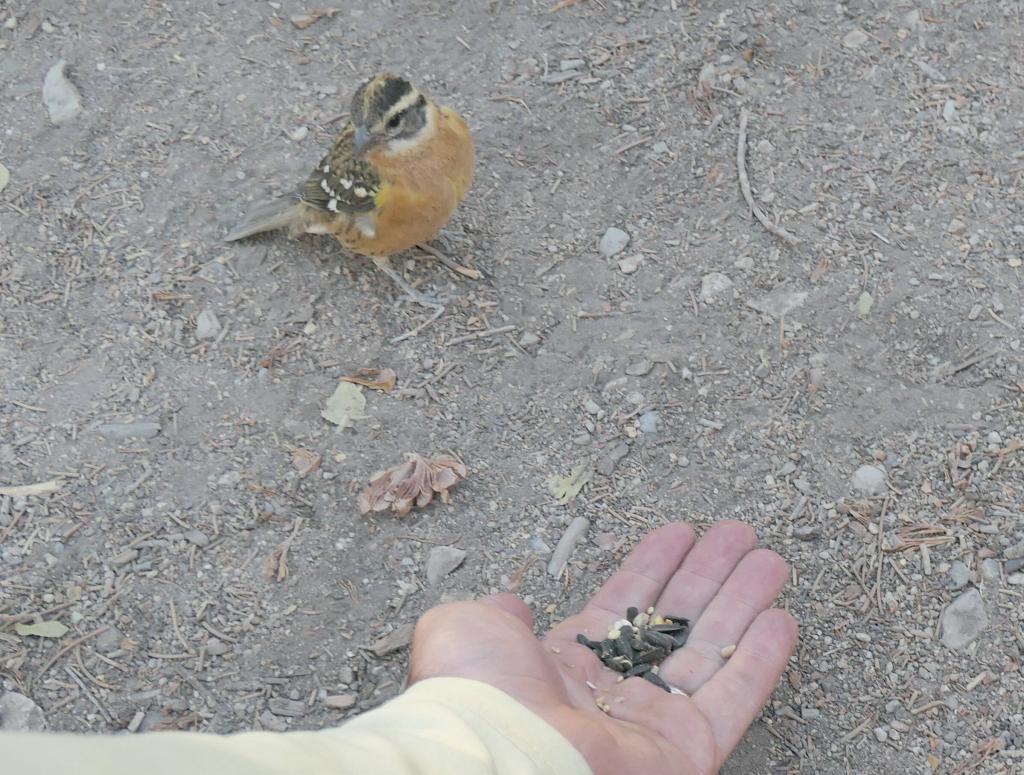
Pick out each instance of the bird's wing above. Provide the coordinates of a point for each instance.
(342, 183)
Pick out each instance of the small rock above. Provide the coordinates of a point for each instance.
(713, 285)
(571, 64)
(949, 111)
(606, 541)
(810, 714)
(744, 263)
(282, 706)
(20, 714)
(129, 430)
(528, 338)
(931, 72)
(805, 532)
(215, 647)
(590, 406)
(959, 575)
(630, 264)
(648, 422)
(1012, 566)
(339, 701)
(197, 537)
(109, 639)
(272, 723)
(880, 734)
(869, 480)
(60, 95)
(1016, 579)
(1014, 552)
(854, 39)
(539, 547)
(779, 302)
(990, 569)
(660, 148)
(207, 325)
(639, 368)
(298, 134)
(963, 620)
(613, 242)
(607, 464)
(956, 226)
(442, 561)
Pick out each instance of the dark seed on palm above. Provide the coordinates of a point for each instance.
(659, 639)
(657, 680)
(631, 613)
(593, 645)
(652, 655)
(638, 669)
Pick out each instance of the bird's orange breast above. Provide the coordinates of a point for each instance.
(420, 191)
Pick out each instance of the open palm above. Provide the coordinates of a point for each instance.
(722, 583)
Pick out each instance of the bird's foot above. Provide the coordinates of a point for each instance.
(456, 267)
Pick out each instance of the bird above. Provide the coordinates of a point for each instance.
(393, 178)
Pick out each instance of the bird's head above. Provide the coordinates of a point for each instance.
(388, 112)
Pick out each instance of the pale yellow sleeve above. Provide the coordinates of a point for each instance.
(441, 725)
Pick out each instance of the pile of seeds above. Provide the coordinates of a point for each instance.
(637, 644)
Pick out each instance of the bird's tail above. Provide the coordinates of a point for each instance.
(279, 214)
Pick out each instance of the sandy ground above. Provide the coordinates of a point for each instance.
(709, 369)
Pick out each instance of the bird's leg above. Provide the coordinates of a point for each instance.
(419, 298)
(445, 240)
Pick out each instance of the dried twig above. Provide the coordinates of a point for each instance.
(61, 652)
(276, 563)
(480, 335)
(741, 164)
(39, 488)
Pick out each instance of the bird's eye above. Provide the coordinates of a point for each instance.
(394, 121)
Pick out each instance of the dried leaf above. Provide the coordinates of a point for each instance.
(275, 564)
(53, 629)
(412, 483)
(346, 404)
(5, 177)
(563, 4)
(374, 379)
(864, 304)
(305, 462)
(567, 488)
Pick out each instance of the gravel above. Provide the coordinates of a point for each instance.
(869, 480)
(207, 325)
(714, 286)
(20, 714)
(612, 242)
(964, 620)
(442, 561)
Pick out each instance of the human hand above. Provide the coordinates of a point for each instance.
(722, 583)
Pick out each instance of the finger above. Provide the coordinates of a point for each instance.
(510, 604)
(751, 588)
(645, 572)
(733, 697)
(676, 722)
(705, 569)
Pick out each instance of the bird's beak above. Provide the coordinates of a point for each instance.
(363, 139)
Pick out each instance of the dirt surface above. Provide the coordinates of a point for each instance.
(708, 370)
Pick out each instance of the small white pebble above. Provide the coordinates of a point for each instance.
(728, 651)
